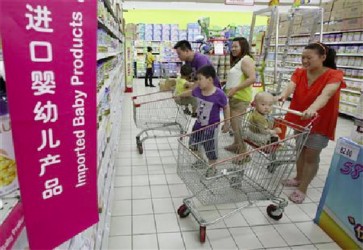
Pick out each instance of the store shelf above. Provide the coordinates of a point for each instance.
(107, 83)
(109, 7)
(351, 91)
(101, 55)
(116, 34)
(353, 79)
(348, 103)
(344, 42)
(341, 31)
(346, 54)
(349, 67)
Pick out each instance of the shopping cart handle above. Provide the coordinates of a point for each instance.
(295, 112)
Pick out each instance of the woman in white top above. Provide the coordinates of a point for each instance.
(238, 88)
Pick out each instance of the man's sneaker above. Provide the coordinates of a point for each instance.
(187, 111)
(194, 115)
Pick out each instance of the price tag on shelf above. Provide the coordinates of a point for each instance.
(347, 150)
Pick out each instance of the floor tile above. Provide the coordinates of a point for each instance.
(145, 241)
(245, 238)
(140, 180)
(143, 224)
(210, 216)
(304, 247)
(122, 181)
(296, 214)
(313, 232)
(139, 170)
(120, 225)
(268, 236)
(173, 179)
(156, 170)
(327, 246)
(158, 179)
(178, 190)
(123, 171)
(140, 207)
(160, 191)
(221, 239)
(166, 223)
(120, 208)
(119, 243)
(235, 220)
(192, 241)
(141, 192)
(309, 209)
(169, 241)
(163, 205)
(291, 234)
(122, 193)
(254, 216)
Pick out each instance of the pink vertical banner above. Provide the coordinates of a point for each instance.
(49, 52)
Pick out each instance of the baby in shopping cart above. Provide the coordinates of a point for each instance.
(210, 101)
(261, 130)
(183, 85)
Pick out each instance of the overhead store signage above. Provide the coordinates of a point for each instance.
(50, 63)
(239, 2)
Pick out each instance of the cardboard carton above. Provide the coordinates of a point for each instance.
(168, 84)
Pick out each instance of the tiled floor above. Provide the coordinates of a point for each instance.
(148, 191)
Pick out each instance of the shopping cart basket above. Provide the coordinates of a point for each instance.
(239, 180)
(158, 112)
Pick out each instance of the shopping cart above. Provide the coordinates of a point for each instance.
(239, 180)
(158, 112)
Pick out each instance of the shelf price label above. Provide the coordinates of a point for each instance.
(347, 150)
(50, 52)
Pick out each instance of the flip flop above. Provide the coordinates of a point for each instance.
(291, 182)
(297, 197)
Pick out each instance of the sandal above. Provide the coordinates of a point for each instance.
(242, 161)
(297, 197)
(291, 182)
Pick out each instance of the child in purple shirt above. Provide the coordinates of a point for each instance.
(210, 100)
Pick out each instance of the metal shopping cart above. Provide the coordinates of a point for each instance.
(239, 180)
(158, 112)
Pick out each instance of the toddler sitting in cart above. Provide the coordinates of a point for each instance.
(261, 130)
(181, 86)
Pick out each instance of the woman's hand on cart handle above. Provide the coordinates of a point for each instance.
(309, 114)
(226, 126)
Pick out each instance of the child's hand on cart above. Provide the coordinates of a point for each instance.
(226, 126)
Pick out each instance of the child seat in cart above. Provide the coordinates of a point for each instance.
(158, 116)
(238, 180)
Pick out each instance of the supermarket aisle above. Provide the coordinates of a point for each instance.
(148, 193)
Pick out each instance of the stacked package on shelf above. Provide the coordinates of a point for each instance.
(140, 31)
(345, 15)
(156, 32)
(193, 30)
(148, 32)
(130, 32)
(183, 35)
(221, 64)
(165, 32)
(175, 33)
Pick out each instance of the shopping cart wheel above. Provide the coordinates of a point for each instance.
(140, 148)
(202, 233)
(183, 211)
(271, 211)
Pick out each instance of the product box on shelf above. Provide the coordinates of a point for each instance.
(327, 6)
(351, 24)
(326, 17)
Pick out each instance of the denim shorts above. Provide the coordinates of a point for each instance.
(316, 141)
